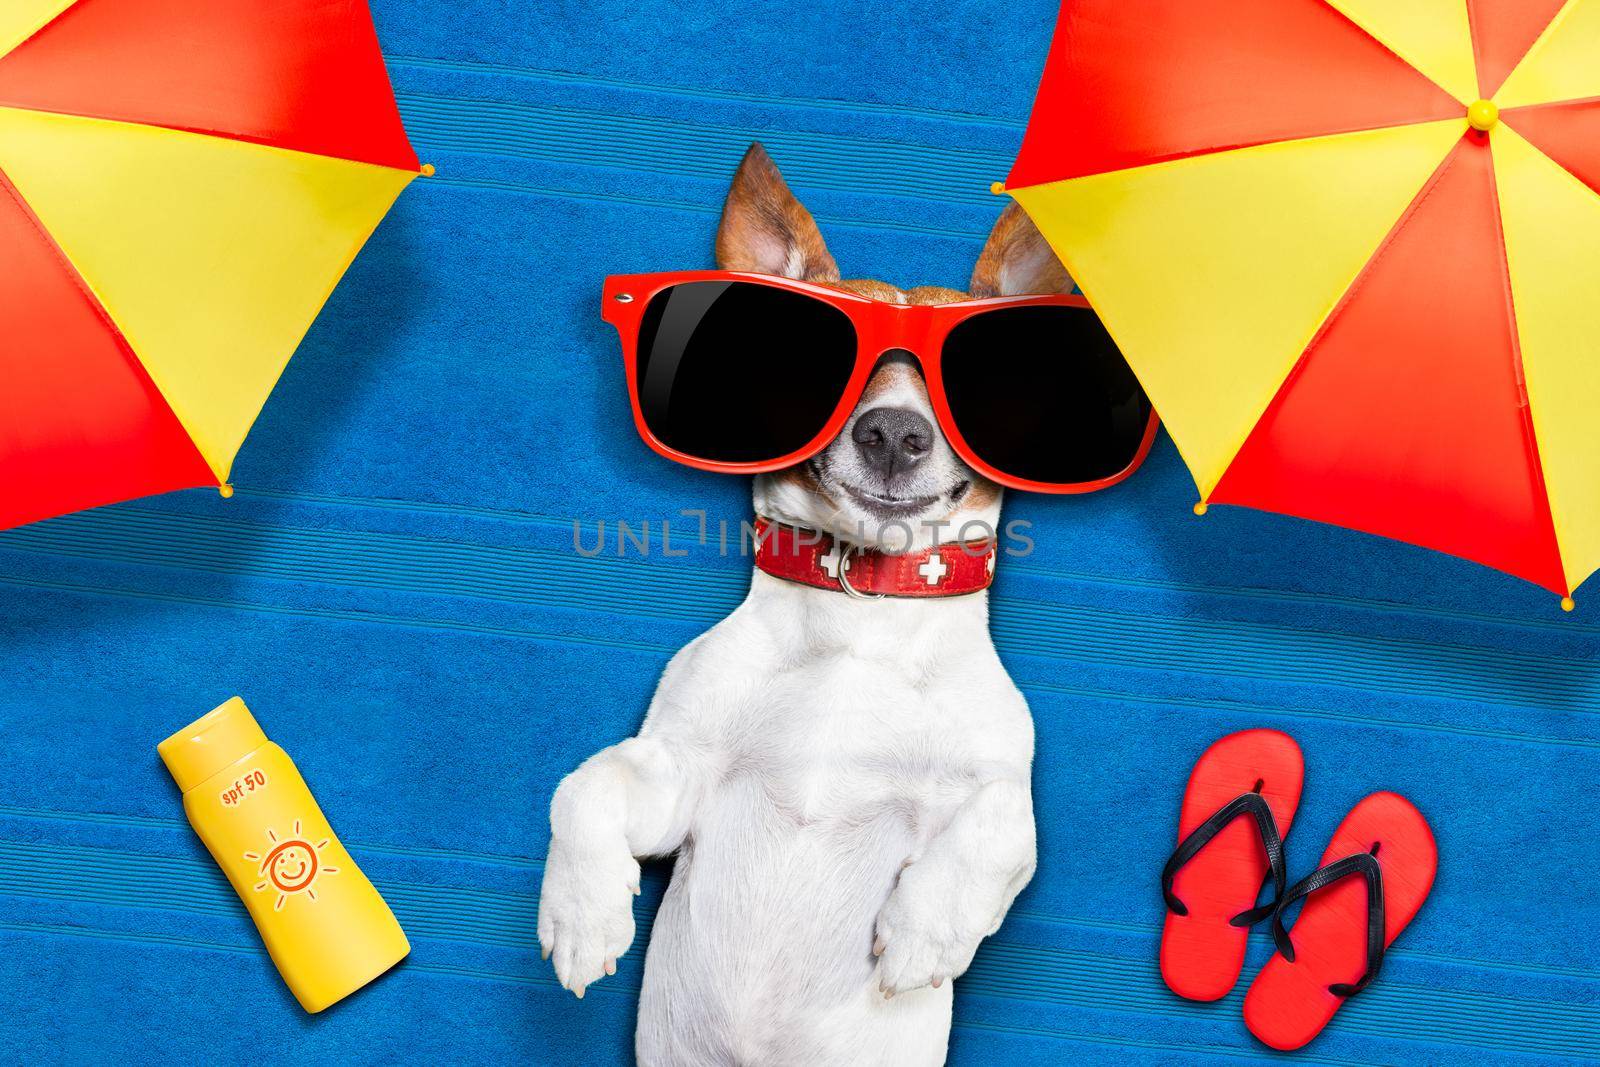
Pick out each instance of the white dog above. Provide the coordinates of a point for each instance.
(845, 782)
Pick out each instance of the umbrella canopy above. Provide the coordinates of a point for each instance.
(1350, 247)
(182, 183)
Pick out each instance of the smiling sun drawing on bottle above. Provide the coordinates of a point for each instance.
(292, 866)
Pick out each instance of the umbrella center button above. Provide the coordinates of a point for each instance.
(1482, 115)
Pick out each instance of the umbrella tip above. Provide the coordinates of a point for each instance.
(1567, 603)
(428, 170)
(997, 188)
(1199, 507)
(1482, 115)
(225, 490)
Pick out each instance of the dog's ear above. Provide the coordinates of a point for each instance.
(1018, 261)
(766, 230)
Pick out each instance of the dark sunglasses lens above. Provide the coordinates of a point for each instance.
(737, 372)
(1042, 393)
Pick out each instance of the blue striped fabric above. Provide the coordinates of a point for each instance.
(394, 590)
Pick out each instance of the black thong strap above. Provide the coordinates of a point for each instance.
(1364, 864)
(1253, 804)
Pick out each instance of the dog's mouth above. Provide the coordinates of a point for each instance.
(886, 505)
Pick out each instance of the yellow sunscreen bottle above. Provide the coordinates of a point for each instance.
(326, 928)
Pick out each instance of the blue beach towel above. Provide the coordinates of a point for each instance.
(394, 591)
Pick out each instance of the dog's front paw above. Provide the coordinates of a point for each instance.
(928, 930)
(586, 911)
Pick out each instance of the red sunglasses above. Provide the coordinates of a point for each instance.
(746, 373)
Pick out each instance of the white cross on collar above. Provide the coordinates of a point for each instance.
(934, 569)
(833, 559)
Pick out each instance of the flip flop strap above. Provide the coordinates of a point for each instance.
(1252, 804)
(1364, 864)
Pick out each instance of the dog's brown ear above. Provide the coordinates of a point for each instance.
(1018, 261)
(766, 230)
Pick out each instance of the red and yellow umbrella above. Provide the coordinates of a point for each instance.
(182, 183)
(1352, 249)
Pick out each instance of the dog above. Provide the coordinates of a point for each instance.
(845, 782)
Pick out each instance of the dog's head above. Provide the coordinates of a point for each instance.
(890, 479)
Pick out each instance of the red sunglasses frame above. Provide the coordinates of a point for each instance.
(880, 327)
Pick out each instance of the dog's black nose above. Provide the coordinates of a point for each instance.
(892, 440)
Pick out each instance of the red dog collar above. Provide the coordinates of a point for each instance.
(816, 559)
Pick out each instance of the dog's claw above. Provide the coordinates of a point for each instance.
(544, 953)
(939, 981)
(878, 946)
(578, 992)
(611, 966)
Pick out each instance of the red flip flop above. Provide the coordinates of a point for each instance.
(1338, 942)
(1212, 880)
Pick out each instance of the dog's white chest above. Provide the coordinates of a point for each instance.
(844, 724)
(841, 739)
